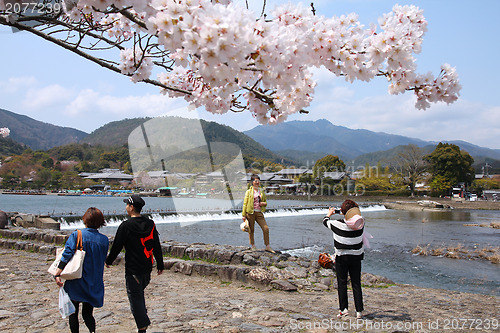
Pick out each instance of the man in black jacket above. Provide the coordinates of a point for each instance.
(140, 238)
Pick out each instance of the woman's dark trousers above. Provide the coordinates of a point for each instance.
(87, 315)
(349, 265)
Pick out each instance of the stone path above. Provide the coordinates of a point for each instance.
(181, 303)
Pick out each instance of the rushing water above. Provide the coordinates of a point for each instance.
(301, 232)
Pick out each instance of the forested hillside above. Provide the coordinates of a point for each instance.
(36, 134)
(116, 134)
(10, 147)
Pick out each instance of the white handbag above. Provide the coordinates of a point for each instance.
(73, 269)
(244, 226)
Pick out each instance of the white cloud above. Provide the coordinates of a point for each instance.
(82, 103)
(16, 84)
(49, 96)
(92, 109)
(138, 106)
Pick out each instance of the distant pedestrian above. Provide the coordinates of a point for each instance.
(349, 251)
(141, 240)
(254, 206)
(89, 289)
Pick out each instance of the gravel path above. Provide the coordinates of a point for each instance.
(180, 303)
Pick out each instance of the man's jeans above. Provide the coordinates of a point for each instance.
(135, 292)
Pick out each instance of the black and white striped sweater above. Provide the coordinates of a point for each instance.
(345, 240)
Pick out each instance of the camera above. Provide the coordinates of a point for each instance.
(336, 210)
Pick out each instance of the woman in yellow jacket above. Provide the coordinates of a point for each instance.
(254, 205)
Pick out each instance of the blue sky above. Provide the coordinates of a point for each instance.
(50, 84)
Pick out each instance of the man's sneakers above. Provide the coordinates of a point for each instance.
(359, 315)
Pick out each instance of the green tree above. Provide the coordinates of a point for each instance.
(48, 163)
(440, 184)
(377, 183)
(451, 163)
(70, 179)
(43, 177)
(86, 167)
(329, 163)
(9, 181)
(479, 185)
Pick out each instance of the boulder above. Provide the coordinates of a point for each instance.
(260, 275)
(283, 285)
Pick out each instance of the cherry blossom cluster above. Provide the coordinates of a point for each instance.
(4, 132)
(136, 63)
(117, 26)
(221, 56)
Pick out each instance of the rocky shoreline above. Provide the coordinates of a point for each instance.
(213, 288)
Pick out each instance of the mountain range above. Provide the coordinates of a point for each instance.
(309, 139)
(297, 143)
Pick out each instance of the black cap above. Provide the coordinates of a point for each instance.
(135, 201)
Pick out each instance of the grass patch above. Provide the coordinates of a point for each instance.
(186, 257)
(378, 286)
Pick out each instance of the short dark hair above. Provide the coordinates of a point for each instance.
(254, 177)
(93, 218)
(136, 209)
(346, 205)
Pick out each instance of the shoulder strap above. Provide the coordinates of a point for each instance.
(79, 241)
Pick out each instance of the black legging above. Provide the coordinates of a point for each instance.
(87, 314)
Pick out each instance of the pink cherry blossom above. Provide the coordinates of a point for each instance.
(219, 55)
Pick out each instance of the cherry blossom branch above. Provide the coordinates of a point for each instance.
(217, 55)
(101, 62)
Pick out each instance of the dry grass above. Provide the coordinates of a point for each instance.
(495, 258)
(453, 255)
(457, 248)
(439, 251)
(490, 253)
(420, 250)
(458, 251)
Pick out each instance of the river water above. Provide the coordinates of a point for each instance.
(301, 232)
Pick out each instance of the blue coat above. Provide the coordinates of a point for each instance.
(90, 288)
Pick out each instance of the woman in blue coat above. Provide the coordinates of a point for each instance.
(89, 289)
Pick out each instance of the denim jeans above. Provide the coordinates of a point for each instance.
(349, 265)
(135, 292)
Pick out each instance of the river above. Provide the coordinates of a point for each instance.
(300, 232)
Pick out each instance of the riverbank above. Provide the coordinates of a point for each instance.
(182, 303)
(407, 203)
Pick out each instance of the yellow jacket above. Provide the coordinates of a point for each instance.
(248, 202)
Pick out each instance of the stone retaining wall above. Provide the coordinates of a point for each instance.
(227, 263)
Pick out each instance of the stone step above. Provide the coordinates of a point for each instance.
(224, 262)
